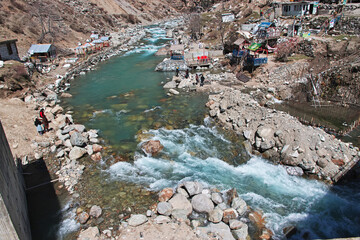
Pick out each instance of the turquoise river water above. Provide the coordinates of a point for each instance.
(124, 98)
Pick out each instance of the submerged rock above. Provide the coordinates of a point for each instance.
(95, 211)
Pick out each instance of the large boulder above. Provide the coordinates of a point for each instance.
(220, 230)
(180, 202)
(193, 188)
(216, 215)
(164, 208)
(152, 147)
(216, 198)
(77, 152)
(171, 84)
(202, 203)
(240, 205)
(241, 233)
(77, 139)
(137, 219)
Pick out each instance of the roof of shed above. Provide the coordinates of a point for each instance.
(39, 48)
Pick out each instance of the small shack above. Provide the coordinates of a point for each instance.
(299, 8)
(177, 52)
(106, 41)
(8, 50)
(42, 52)
(227, 17)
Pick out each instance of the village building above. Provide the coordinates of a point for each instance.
(227, 17)
(8, 50)
(298, 9)
(42, 52)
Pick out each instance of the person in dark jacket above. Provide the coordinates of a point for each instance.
(202, 79)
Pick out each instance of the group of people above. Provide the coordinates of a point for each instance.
(42, 124)
(201, 80)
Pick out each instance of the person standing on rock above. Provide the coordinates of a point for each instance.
(38, 126)
(177, 71)
(44, 120)
(187, 73)
(202, 78)
(197, 79)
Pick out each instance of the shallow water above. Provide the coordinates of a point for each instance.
(125, 98)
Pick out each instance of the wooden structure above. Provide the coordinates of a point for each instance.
(42, 52)
(177, 52)
(8, 50)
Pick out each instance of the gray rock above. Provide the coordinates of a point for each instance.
(164, 208)
(193, 187)
(78, 127)
(222, 206)
(77, 139)
(95, 211)
(83, 217)
(67, 143)
(149, 213)
(171, 85)
(240, 205)
(53, 149)
(182, 191)
(180, 202)
(215, 215)
(247, 134)
(67, 129)
(179, 215)
(241, 233)
(294, 171)
(162, 219)
(173, 91)
(216, 198)
(89, 150)
(60, 154)
(221, 230)
(264, 132)
(137, 219)
(76, 153)
(236, 224)
(64, 137)
(202, 203)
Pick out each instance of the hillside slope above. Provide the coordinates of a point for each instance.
(66, 22)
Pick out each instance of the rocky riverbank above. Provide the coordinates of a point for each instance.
(282, 138)
(189, 204)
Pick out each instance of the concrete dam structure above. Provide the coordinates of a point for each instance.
(14, 221)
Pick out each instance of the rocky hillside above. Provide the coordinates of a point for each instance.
(66, 22)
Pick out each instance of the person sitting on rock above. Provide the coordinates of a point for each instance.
(38, 126)
(44, 120)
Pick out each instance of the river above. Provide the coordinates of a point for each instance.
(124, 98)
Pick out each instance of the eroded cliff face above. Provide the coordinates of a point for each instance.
(66, 22)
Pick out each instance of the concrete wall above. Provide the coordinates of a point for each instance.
(4, 52)
(14, 221)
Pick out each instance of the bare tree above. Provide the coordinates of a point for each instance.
(195, 25)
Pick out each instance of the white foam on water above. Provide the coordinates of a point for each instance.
(285, 200)
(68, 224)
(152, 109)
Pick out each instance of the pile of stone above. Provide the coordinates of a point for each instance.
(168, 65)
(223, 215)
(67, 142)
(181, 83)
(282, 138)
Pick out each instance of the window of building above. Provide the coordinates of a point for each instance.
(9, 48)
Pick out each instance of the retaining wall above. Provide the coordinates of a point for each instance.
(14, 221)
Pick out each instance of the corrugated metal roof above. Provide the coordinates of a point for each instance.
(104, 38)
(39, 48)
